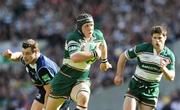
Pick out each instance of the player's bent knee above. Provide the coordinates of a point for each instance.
(83, 98)
(82, 88)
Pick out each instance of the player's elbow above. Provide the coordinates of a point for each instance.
(74, 59)
(170, 78)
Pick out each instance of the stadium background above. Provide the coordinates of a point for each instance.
(124, 24)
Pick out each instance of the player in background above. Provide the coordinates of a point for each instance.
(40, 69)
(154, 60)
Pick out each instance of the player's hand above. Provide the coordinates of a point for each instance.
(105, 66)
(163, 63)
(118, 80)
(7, 54)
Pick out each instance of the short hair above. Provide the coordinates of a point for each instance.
(32, 44)
(82, 19)
(159, 29)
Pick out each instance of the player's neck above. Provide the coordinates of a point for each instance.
(159, 50)
(87, 39)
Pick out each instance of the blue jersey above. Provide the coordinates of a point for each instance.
(43, 71)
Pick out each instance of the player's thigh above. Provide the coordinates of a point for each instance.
(36, 105)
(54, 103)
(81, 87)
(130, 103)
(145, 107)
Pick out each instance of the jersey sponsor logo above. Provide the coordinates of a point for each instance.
(46, 77)
(150, 68)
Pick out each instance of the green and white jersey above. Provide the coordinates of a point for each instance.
(76, 43)
(148, 67)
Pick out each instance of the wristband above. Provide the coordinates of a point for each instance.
(94, 54)
(104, 60)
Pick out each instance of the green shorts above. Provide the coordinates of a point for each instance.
(65, 80)
(144, 92)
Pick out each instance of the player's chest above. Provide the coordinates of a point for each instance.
(88, 45)
(33, 73)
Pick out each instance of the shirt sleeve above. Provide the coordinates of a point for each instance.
(131, 53)
(73, 47)
(99, 35)
(171, 65)
(45, 75)
(134, 51)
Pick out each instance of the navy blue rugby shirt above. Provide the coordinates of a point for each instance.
(43, 71)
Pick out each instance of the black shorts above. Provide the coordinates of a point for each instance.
(40, 96)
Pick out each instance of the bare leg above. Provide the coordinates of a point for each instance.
(80, 94)
(129, 103)
(37, 105)
(145, 107)
(54, 104)
(82, 100)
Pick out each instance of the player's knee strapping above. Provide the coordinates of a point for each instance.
(80, 92)
(79, 107)
(82, 87)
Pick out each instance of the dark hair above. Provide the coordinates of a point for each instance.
(82, 19)
(159, 29)
(32, 44)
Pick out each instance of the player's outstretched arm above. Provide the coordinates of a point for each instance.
(12, 56)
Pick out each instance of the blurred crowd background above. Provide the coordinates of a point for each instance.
(123, 22)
